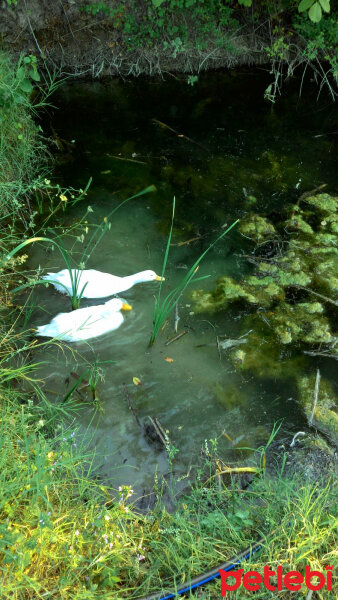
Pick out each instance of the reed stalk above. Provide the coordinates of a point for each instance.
(164, 307)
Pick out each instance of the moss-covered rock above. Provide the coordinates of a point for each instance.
(325, 415)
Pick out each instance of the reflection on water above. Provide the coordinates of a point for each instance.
(238, 154)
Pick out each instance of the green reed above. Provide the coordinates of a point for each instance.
(164, 307)
(75, 271)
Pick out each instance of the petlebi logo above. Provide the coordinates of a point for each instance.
(292, 580)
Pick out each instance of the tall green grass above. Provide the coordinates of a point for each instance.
(164, 307)
(65, 534)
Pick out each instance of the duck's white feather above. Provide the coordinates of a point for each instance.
(96, 284)
(84, 323)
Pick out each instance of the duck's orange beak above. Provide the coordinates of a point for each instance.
(158, 278)
(126, 306)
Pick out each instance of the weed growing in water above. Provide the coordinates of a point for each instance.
(164, 307)
(75, 272)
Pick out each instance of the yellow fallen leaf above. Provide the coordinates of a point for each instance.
(137, 381)
(168, 359)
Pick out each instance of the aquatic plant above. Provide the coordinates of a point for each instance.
(164, 307)
(290, 293)
(94, 373)
(75, 271)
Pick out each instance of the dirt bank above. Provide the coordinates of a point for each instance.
(98, 44)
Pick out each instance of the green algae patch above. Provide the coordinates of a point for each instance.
(282, 293)
(325, 416)
(297, 323)
(324, 203)
(256, 228)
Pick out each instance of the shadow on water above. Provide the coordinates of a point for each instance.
(223, 152)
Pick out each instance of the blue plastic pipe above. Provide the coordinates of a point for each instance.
(208, 575)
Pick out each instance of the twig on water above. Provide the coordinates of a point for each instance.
(316, 396)
(176, 337)
(324, 354)
(130, 406)
(176, 318)
(180, 135)
(140, 162)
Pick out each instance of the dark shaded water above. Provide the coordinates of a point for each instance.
(230, 152)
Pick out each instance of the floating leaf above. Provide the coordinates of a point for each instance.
(137, 381)
(168, 359)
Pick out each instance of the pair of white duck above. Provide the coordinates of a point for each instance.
(85, 323)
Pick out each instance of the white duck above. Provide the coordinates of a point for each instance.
(97, 284)
(85, 323)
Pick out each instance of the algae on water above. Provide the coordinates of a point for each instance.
(291, 293)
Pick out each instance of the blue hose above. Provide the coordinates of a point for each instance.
(209, 575)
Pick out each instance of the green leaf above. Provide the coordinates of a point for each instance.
(245, 2)
(315, 13)
(34, 75)
(304, 5)
(26, 86)
(27, 60)
(325, 4)
(157, 3)
(21, 73)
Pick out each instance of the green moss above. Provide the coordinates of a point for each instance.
(324, 202)
(325, 415)
(257, 228)
(311, 307)
(307, 257)
(227, 290)
(296, 223)
(297, 324)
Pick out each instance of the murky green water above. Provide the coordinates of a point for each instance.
(238, 147)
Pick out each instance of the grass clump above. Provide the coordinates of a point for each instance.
(65, 535)
(22, 148)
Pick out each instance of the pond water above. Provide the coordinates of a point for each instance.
(223, 144)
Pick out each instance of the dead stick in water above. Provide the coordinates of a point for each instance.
(176, 318)
(306, 289)
(130, 406)
(176, 337)
(316, 396)
(181, 135)
(140, 162)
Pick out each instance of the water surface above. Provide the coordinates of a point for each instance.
(228, 145)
